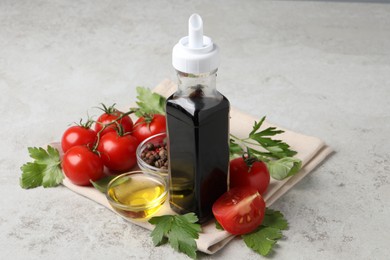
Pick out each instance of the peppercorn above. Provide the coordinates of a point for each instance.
(156, 155)
(150, 146)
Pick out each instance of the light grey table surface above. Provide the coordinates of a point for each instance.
(316, 67)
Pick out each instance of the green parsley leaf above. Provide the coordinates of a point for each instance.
(283, 168)
(277, 148)
(45, 170)
(163, 226)
(275, 153)
(257, 125)
(235, 149)
(179, 230)
(263, 239)
(275, 219)
(32, 175)
(149, 102)
(101, 184)
(218, 225)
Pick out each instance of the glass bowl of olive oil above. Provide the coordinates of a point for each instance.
(137, 195)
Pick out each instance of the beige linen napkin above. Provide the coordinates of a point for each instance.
(311, 150)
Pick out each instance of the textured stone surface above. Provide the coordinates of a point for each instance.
(316, 67)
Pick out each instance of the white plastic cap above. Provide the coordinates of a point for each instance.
(195, 53)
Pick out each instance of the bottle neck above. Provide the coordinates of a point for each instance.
(204, 84)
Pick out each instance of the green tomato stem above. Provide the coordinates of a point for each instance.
(94, 149)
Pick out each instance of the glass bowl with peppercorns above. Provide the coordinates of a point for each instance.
(152, 155)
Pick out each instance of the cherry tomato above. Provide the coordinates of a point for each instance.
(81, 165)
(111, 114)
(240, 210)
(118, 152)
(241, 175)
(77, 135)
(146, 127)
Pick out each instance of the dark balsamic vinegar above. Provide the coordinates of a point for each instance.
(198, 130)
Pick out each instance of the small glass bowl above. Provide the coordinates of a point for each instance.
(158, 139)
(137, 195)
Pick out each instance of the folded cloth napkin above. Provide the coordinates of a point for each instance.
(311, 150)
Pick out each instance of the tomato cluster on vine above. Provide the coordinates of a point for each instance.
(111, 141)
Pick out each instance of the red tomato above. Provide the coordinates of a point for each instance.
(145, 127)
(110, 115)
(240, 210)
(77, 135)
(241, 175)
(118, 152)
(81, 165)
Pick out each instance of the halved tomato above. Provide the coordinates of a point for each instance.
(240, 210)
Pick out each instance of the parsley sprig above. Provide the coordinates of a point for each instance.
(180, 231)
(275, 153)
(271, 148)
(265, 237)
(44, 171)
(149, 103)
(102, 184)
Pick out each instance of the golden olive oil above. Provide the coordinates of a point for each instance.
(137, 196)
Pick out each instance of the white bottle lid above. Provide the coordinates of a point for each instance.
(195, 53)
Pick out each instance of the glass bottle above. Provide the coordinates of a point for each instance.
(198, 133)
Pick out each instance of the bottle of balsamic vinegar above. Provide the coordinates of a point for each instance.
(198, 126)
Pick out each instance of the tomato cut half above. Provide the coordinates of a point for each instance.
(240, 210)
